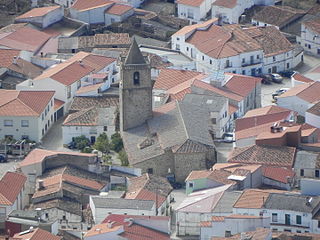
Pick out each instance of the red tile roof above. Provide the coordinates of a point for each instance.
(11, 185)
(299, 77)
(36, 234)
(226, 3)
(313, 25)
(38, 12)
(20, 39)
(190, 28)
(24, 103)
(120, 218)
(308, 92)
(57, 104)
(193, 3)
(278, 174)
(241, 84)
(38, 155)
(119, 9)
(265, 155)
(217, 219)
(169, 78)
(82, 5)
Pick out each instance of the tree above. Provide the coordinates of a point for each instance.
(116, 142)
(122, 155)
(102, 143)
(81, 142)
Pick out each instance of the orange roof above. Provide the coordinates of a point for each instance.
(24, 103)
(118, 9)
(253, 198)
(313, 25)
(265, 110)
(20, 39)
(299, 77)
(206, 224)
(169, 78)
(194, 3)
(277, 174)
(11, 185)
(89, 88)
(82, 5)
(308, 92)
(57, 104)
(226, 3)
(101, 229)
(187, 29)
(36, 234)
(233, 167)
(241, 84)
(7, 56)
(217, 219)
(38, 155)
(38, 12)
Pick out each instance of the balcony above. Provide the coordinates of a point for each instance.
(246, 64)
(228, 65)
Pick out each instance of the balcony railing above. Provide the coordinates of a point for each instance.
(250, 63)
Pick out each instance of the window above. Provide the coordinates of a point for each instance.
(177, 46)
(78, 84)
(105, 128)
(306, 45)
(42, 116)
(298, 219)
(298, 231)
(243, 60)
(258, 57)
(8, 123)
(301, 172)
(318, 224)
(202, 58)
(63, 217)
(26, 137)
(210, 61)
(316, 173)
(288, 65)
(187, 49)
(190, 184)
(69, 92)
(269, 70)
(243, 72)
(178, 39)
(309, 46)
(274, 58)
(227, 63)
(213, 120)
(47, 215)
(112, 20)
(150, 170)
(24, 123)
(190, 13)
(318, 51)
(274, 217)
(136, 78)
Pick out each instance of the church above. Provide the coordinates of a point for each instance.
(173, 138)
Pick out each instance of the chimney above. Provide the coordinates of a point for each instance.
(80, 62)
(41, 54)
(31, 229)
(40, 185)
(15, 58)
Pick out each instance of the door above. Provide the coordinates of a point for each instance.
(287, 219)
(92, 139)
(274, 69)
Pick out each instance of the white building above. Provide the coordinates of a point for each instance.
(42, 17)
(118, 13)
(225, 48)
(102, 207)
(300, 98)
(67, 77)
(26, 114)
(229, 11)
(12, 191)
(312, 116)
(310, 37)
(89, 122)
(232, 225)
(194, 11)
(297, 79)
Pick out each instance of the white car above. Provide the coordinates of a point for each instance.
(229, 137)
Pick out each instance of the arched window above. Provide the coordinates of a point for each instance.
(136, 78)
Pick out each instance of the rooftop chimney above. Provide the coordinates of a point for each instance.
(15, 58)
(40, 185)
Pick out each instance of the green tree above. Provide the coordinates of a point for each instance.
(116, 142)
(102, 143)
(81, 142)
(122, 155)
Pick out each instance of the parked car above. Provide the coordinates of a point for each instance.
(266, 79)
(228, 137)
(72, 145)
(3, 158)
(287, 74)
(276, 78)
(279, 92)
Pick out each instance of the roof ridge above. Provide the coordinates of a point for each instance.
(20, 100)
(182, 119)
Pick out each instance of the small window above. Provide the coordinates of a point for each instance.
(8, 123)
(177, 47)
(316, 173)
(213, 120)
(210, 61)
(288, 65)
(150, 170)
(42, 116)
(298, 219)
(258, 56)
(136, 78)
(298, 231)
(73, 50)
(25, 137)
(69, 92)
(243, 72)
(301, 172)
(187, 48)
(202, 58)
(178, 39)
(274, 58)
(24, 123)
(47, 215)
(243, 60)
(309, 46)
(63, 217)
(274, 217)
(318, 224)
(190, 184)
(105, 128)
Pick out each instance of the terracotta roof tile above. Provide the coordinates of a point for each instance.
(194, 3)
(277, 174)
(217, 219)
(241, 84)
(313, 25)
(253, 198)
(264, 155)
(118, 9)
(24, 103)
(90, 88)
(82, 5)
(308, 92)
(226, 3)
(190, 28)
(299, 77)
(36, 234)
(85, 117)
(57, 104)
(206, 224)
(11, 185)
(105, 101)
(38, 12)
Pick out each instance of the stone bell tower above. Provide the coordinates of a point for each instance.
(135, 89)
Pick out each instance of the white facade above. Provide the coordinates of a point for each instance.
(294, 103)
(233, 225)
(44, 21)
(32, 128)
(280, 62)
(309, 40)
(312, 119)
(90, 16)
(194, 14)
(111, 18)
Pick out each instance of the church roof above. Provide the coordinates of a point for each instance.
(134, 55)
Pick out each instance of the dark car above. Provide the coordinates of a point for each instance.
(72, 145)
(266, 79)
(276, 78)
(3, 158)
(287, 74)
